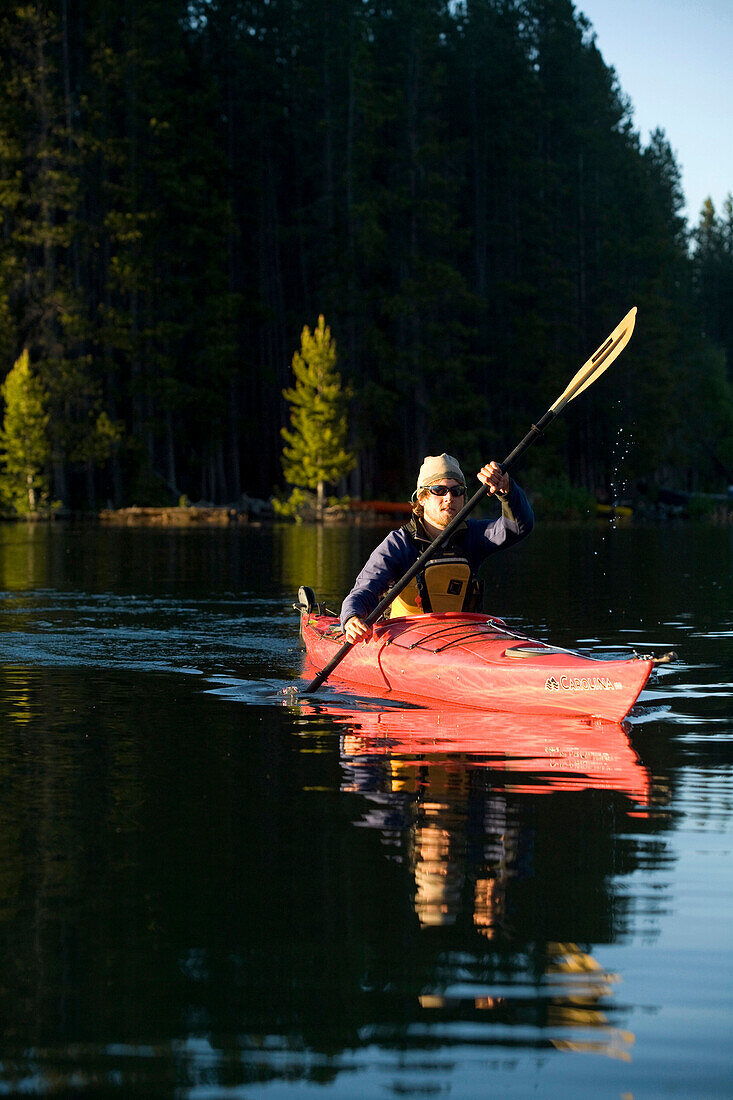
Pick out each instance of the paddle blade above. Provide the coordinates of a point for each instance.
(599, 362)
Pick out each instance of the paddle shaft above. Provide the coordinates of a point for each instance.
(534, 433)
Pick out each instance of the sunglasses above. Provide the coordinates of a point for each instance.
(441, 490)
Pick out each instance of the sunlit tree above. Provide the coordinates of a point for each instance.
(315, 452)
(24, 443)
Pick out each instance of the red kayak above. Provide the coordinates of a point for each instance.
(477, 661)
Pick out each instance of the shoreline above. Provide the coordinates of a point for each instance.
(702, 507)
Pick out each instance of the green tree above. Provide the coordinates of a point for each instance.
(315, 446)
(24, 438)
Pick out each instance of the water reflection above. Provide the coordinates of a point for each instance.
(571, 995)
(437, 783)
(459, 800)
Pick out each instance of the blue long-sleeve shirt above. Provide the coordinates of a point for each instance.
(476, 540)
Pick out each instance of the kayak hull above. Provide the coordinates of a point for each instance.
(475, 661)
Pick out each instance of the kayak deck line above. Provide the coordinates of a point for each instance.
(465, 636)
(413, 624)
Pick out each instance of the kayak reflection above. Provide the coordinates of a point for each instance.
(443, 788)
(535, 753)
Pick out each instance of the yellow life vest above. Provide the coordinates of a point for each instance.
(445, 584)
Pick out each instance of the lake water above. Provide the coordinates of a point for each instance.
(209, 888)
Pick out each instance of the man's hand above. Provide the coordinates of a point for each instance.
(492, 475)
(356, 630)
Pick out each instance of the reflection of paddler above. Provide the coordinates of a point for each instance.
(440, 777)
(489, 904)
(438, 871)
(403, 775)
(438, 847)
(442, 808)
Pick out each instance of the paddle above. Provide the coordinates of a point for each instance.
(586, 376)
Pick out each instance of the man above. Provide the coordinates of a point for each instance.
(449, 581)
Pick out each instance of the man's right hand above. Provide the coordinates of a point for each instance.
(356, 630)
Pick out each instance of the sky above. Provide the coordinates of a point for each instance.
(674, 61)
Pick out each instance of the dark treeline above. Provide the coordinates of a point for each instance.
(457, 187)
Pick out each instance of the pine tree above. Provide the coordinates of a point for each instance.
(24, 438)
(315, 452)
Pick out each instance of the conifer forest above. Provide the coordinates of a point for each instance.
(457, 186)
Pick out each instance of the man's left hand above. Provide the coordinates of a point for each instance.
(492, 475)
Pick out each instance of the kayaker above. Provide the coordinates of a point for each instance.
(449, 582)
